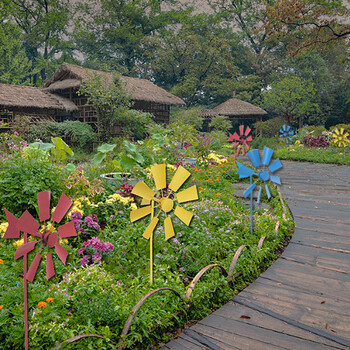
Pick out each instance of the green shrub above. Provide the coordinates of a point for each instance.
(261, 142)
(190, 116)
(24, 175)
(271, 127)
(346, 127)
(76, 134)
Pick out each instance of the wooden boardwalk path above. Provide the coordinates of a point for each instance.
(303, 300)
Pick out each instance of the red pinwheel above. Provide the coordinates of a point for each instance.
(241, 140)
(48, 239)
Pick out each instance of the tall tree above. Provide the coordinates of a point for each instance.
(293, 99)
(113, 31)
(197, 61)
(44, 26)
(15, 67)
(307, 24)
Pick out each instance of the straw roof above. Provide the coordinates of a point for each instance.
(32, 97)
(70, 76)
(234, 107)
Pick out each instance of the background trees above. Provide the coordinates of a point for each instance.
(241, 45)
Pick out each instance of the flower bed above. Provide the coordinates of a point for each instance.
(107, 269)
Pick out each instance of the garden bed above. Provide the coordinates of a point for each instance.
(96, 295)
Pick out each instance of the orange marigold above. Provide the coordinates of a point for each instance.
(41, 304)
(218, 194)
(49, 300)
(1, 306)
(1, 262)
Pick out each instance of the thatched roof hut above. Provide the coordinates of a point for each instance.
(16, 101)
(146, 96)
(235, 109)
(71, 76)
(32, 98)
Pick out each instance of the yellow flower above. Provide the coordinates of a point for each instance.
(41, 304)
(1, 262)
(3, 228)
(18, 243)
(49, 300)
(133, 206)
(63, 241)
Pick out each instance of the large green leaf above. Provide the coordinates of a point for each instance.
(126, 162)
(105, 148)
(40, 145)
(98, 158)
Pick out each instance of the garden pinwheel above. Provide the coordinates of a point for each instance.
(286, 132)
(241, 140)
(47, 238)
(165, 203)
(264, 175)
(340, 138)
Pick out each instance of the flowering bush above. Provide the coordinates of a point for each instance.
(318, 141)
(86, 227)
(11, 144)
(94, 250)
(79, 185)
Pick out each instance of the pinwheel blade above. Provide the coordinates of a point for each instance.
(275, 165)
(44, 205)
(249, 191)
(145, 201)
(52, 240)
(149, 230)
(285, 128)
(62, 208)
(140, 213)
(249, 139)
(241, 130)
(243, 151)
(13, 230)
(259, 195)
(291, 133)
(50, 268)
(184, 215)
(33, 268)
(275, 179)
(168, 228)
(142, 190)
(190, 194)
(235, 137)
(28, 224)
(244, 171)
(67, 230)
(268, 192)
(230, 137)
(254, 157)
(247, 131)
(61, 253)
(268, 152)
(159, 175)
(25, 249)
(179, 178)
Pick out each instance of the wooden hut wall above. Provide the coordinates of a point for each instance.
(161, 112)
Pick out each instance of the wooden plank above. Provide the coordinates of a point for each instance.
(338, 228)
(234, 311)
(316, 311)
(325, 258)
(229, 330)
(310, 278)
(219, 344)
(183, 344)
(322, 240)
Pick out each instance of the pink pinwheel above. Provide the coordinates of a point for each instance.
(241, 140)
(48, 239)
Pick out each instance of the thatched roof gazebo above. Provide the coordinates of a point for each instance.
(16, 101)
(146, 96)
(236, 109)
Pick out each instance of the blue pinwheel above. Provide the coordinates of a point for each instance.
(286, 132)
(264, 175)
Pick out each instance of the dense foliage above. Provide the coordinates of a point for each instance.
(107, 270)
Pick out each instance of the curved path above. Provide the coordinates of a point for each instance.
(303, 300)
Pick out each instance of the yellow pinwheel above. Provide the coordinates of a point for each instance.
(340, 138)
(165, 199)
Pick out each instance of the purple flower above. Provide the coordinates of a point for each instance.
(182, 269)
(97, 257)
(84, 261)
(81, 250)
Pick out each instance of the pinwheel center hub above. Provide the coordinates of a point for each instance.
(264, 176)
(166, 204)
